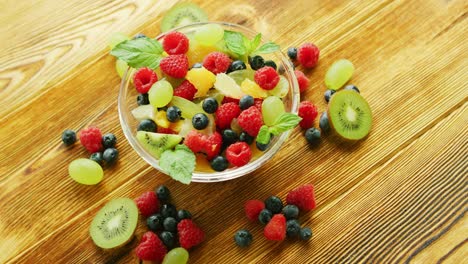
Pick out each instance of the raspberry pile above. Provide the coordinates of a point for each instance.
(169, 228)
(280, 220)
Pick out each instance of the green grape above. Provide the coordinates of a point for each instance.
(116, 38)
(85, 171)
(187, 108)
(121, 66)
(241, 75)
(281, 89)
(338, 74)
(272, 108)
(209, 35)
(176, 256)
(160, 93)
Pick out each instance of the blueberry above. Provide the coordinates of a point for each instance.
(293, 228)
(229, 136)
(173, 114)
(246, 101)
(155, 222)
(168, 210)
(110, 155)
(274, 204)
(210, 105)
(292, 53)
(170, 224)
(200, 121)
(265, 216)
(244, 137)
(147, 125)
(351, 87)
(305, 233)
(328, 94)
(236, 66)
(168, 239)
(290, 211)
(142, 99)
(139, 35)
(219, 163)
(97, 157)
(68, 137)
(323, 123)
(271, 64)
(197, 65)
(183, 214)
(163, 194)
(109, 140)
(262, 147)
(243, 238)
(256, 62)
(313, 136)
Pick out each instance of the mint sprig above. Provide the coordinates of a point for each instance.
(178, 163)
(141, 52)
(283, 123)
(242, 47)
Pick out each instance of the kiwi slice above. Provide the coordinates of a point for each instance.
(115, 223)
(350, 115)
(183, 14)
(157, 143)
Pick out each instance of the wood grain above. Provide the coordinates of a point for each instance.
(399, 196)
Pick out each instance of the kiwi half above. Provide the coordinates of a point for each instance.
(157, 143)
(114, 225)
(350, 115)
(183, 14)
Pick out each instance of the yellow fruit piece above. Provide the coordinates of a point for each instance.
(161, 119)
(227, 86)
(202, 79)
(251, 88)
(198, 52)
(176, 126)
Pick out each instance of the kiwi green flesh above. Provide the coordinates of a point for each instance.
(115, 224)
(157, 143)
(183, 14)
(350, 115)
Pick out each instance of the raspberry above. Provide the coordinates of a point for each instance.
(151, 248)
(250, 120)
(258, 103)
(143, 79)
(308, 112)
(189, 234)
(225, 113)
(175, 43)
(227, 99)
(267, 78)
(91, 139)
(302, 80)
(198, 142)
(147, 203)
(216, 62)
(238, 154)
(175, 65)
(276, 228)
(185, 90)
(163, 130)
(253, 208)
(308, 55)
(303, 197)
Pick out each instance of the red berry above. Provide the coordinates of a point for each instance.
(189, 234)
(216, 62)
(227, 99)
(302, 80)
(308, 55)
(175, 43)
(91, 139)
(303, 197)
(143, 79)
(185, 90)
(147, 203)
(253, 208)
(175, 65)
(151, 248)
(276, 228)
(308, 112)
(258, 103)
(198, 142)
(163, 130)
(238, 154)
(225, 113)
(250, 120)
(266, 77)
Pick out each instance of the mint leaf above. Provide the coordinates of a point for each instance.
(141, 52)
(264, 135)
(268, 47)
(284, 122)
(235, 42)
(178, 163)
(255, 42)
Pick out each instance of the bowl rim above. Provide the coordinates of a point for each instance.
(231, 173)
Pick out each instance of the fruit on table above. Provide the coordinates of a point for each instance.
(308, 55)
(115, 223)
(68, 137)
(251, 88)
(85, 171)
(243, 238)
(281, 89)
(144, 112)
(240, 75)
(187, 108)
(156, 143)
(272, 108)
(227, 86)
(202, 79)
(338, 74)
(182, 14)
(160, 93)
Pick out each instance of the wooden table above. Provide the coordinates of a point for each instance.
(399, 196)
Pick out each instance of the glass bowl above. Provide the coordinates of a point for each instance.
(127, 102)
